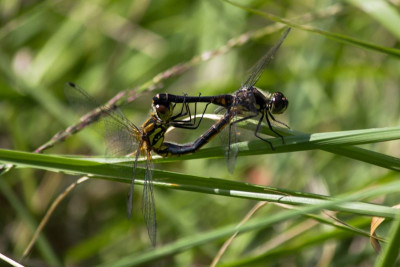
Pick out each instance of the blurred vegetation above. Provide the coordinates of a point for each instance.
(109, 46)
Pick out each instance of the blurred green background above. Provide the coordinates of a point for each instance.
(109, 46)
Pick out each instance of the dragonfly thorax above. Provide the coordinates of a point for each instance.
(153, 132)
(246, 101)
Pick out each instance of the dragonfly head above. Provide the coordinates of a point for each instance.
(279, 103)
(164, 110)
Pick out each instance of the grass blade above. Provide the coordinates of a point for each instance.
(334, 36)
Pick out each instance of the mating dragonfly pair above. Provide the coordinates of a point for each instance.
(124, 137)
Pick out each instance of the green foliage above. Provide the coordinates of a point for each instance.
(339, 68)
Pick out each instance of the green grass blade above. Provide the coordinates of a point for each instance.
(334, 36)
(252, 225)
(43, 245)
(382, 11)
(341, 143)
(123, 173)
(391, 251)
(298, 246)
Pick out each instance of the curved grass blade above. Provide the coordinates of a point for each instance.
(334, 36)
(252, 225)
(382, 11)
(43, 245)
(342, 143)
(390, 253)
(122, 173)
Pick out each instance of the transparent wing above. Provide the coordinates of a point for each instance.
(148, 204)
(228, 137)
(121, 135)
(262, 64)
(243, 108)
(220, 110)
(122, 138)
(232, 149)
(129, 204)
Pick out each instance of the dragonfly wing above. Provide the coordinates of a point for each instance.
(121, 135)
(262, 64)
(148, 204)
(129, 203)
(121, 139)
(232, 149)
(243, 108)
(219, 110)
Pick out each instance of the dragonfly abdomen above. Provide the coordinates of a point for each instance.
(171, 149)
(220, 100)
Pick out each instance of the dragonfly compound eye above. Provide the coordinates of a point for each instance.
(279, 103)
(164, 111)
(161, 109)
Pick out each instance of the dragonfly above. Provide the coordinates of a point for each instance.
(246, 103)
(123, 137)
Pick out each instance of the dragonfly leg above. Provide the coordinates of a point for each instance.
(182, 113)
(258, 128)
(235, 122)
(270, 126)
(189, 122)
(186, 122)
(194, 126)
(195, 111)
(275, 120)
(245, 118)
(170, 149)
(191, 126)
